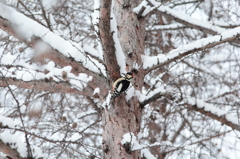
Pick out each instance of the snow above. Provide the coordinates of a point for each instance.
(143, 4)
(106, 103)
(27, 28)
(119, 52)
(131, 138)
(130, 92)
(95, 14)
(7, 122)
(166, 27)
(48, 3)
(96, 91)
(75, 137)
(147, 95)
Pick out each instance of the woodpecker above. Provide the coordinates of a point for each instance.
(121, 85)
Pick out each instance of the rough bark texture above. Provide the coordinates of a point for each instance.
(108, 44)
(124, 116)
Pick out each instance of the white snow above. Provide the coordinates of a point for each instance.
(96, 90)
(131, 138)
(119, 52)
(49, 3)
(147, 95)
(130, 92)
(166, 27)
(7, 122)
(144, 3)
(106, 103)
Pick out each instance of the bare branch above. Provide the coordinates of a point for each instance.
(45, 16)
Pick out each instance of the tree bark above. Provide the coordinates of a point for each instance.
(123, 116)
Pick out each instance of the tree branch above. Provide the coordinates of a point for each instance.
(107, 41)
(201, 107)
(57, 56)
(222, 119)
(45, 85)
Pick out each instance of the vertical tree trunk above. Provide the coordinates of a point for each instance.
(124, 116)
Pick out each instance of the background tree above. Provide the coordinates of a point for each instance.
(59, 59)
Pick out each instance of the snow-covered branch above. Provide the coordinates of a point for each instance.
(26, 72)
(30, 32)
(44, 85)
(152, 96)
(131, 143)
(180, 17)
(183, 51)
(81, 58)
(62, 52)
(194, 104)
(176, 26)
(213, 112)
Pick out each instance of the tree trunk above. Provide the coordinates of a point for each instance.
(123, 116)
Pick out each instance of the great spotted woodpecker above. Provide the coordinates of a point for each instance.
(121, 84)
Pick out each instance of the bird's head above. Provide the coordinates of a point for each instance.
(128, 75)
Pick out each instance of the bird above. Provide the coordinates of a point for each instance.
(121, 85)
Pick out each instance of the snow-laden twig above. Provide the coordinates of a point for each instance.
(212, 112)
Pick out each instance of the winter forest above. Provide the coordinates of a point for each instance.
(60, 58)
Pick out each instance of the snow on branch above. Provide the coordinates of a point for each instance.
(142, 9)
(193, 104)
(28, 73)
(30, 32)
(151, 96)
(130, 143)
(213, 112)
(43, 85)
(175, 26)
(153, 62)
(179, 17)
(6, 122)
